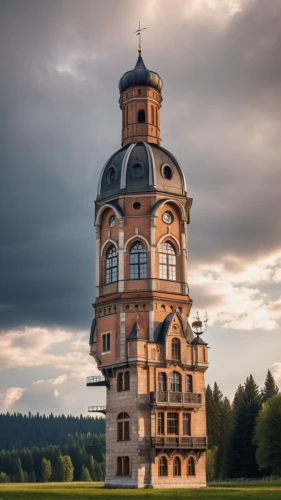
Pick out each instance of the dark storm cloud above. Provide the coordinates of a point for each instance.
(60, 65)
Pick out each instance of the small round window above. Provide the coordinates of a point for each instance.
(166, 172)
(136, 205)
(111, 175)
(137, 170)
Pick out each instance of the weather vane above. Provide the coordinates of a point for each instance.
(138, 33)
(199, 326)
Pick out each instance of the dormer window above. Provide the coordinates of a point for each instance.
(137, 170)
(111, 175)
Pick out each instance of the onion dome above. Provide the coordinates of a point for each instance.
(141, 167)
(140, 75)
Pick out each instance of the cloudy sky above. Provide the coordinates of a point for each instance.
(61, 61)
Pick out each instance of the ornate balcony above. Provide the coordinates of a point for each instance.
(97, 381)
(97, 409)
(178, 399)
(184, 443)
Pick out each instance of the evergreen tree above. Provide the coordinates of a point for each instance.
(46, 470)
(268, 435)
(4, 478)
(270, 387)
(32, 477)
(223, 447)
(242, 451)
(211, 458)
(238, 397)
(68, 469)
(17, 472)
(25, 476)
(85, 475)
(58, 468)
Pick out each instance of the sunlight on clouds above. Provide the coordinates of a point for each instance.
(9, 397)
(241, 303)
(56, 393)
(276, 372)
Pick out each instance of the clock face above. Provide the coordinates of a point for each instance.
(112, 221)
(168, 218)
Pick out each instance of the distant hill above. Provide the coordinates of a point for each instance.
(19, 431)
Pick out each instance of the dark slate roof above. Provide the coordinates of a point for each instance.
(161, 331)
(93, 332)
(198, 341)
(135, 332)
(151, 157)
(140, 75)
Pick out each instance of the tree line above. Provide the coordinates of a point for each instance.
(19, 431)
(65, 463)
(244, 438)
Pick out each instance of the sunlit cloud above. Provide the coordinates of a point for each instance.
(9, 397)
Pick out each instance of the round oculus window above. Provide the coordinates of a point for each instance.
(112, 221)
(168, 218)
(167, 172)
(136, 205)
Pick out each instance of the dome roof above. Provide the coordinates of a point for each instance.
(141, 167)
(140, 75)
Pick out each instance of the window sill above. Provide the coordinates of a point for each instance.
(105, 352)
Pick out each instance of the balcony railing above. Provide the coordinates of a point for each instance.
(185, 443)
(97, 409)
(169, 398)
(96, 381)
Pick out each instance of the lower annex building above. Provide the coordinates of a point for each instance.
(150, 361)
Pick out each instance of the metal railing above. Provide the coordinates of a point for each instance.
(188, 399)
(96, 380)
(98, 409)
(186, 442)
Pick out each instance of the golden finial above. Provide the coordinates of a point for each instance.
(138, 33)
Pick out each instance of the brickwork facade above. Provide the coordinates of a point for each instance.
(152, 365)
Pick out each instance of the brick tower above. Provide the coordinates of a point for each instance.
(152, 365)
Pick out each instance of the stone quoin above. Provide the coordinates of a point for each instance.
(151, 363)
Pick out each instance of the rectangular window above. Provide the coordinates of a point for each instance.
(123, 466)
(120, 381)
(161, 422)
(119, 431)
(172, 423)
(106, 342)
(126, 431)
(127, 381)
(189, 387)
(186, 424)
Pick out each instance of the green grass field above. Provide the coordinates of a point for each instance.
(70, 491)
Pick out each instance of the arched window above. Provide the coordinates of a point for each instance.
(137, 170)
(123, 427)
(176, 349)
(167, 262)
(141, 116)
(177, 466)
(191, 466)
(162, 382)
(111, 265)
(163, 466)
(138, 262)
(167, 172)
(111, 175)
(175, 382)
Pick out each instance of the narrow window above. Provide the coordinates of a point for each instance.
(162, 382)
(186, 424)
(176, 349)
(111, 265)
(191, 466)
(106, 342)
(175, 382)
(177, 466)
(138, 262)
(172, 423)
(161, 422)
(120, 381)
(189, 384)
(167, 262)
(123, 427)
(127, 381)
(152, 115)
(141, 116)
(163, 466)
(119, 466)
(127, 115)
(162, 308)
